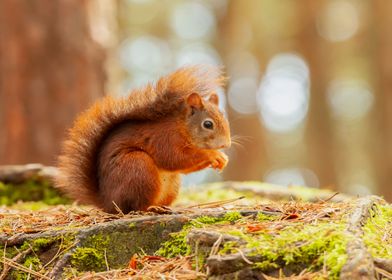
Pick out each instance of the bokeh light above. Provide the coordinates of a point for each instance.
(339, 21)
(197, 53)
(292, 176)
(283, 96)
(242, 95)
(200, 177)
(139, 12)
(145, 53)
(193, 20)
(349, 99)
(243, 64)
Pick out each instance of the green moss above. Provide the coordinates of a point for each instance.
(232, 216)
(303, 193)
(38, 244)
(229, 247)
(210, 193)
(312, 246)
(71, 273)
(377, 232)
(33, 263)
(31, 190)
(19, 275)
(229, 217)
(132, 225)
(99, 241)
(265, 265)
(204, 220)
(42, 242)
(85, 259)
(176, 246)
(91, 256)
(30, 205)
(261, 217)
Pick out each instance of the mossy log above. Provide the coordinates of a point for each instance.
(274, 232)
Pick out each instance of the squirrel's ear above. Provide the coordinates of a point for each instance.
(194, 101)
(214, 99)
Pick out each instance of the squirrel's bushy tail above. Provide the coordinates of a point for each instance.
(78, 176)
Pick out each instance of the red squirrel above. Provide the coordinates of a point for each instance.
(129, 152)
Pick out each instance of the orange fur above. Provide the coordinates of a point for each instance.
(120, 149)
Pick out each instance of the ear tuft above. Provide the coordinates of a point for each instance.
(214, 99)
(194, 100)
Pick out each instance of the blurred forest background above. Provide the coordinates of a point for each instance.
(310, 89)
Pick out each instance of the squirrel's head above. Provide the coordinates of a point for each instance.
(207, 126)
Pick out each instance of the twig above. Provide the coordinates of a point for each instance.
(56, 255)
(118, 209)
(383, 272)
(243, 257)
(215, 246)
(59, 253)
(215, 203)
(328, 198)
(106, 261)
(18, 266)
(15, 259)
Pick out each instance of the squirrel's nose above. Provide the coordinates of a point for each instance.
(226, 145)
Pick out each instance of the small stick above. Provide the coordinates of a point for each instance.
(383, 272)
(215, 203)
(18, 266)
(17, 258)
(118, 209)
(328, 199)
(106, 261)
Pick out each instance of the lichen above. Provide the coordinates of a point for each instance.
(378, 232)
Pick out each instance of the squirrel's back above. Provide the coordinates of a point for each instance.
(78, 160)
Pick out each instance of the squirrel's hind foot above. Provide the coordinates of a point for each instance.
(160, 209)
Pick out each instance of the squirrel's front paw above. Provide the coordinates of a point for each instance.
(220, 161)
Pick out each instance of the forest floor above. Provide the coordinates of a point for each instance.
(228, 230)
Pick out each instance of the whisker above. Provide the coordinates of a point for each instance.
(241, 139)
(236, 144)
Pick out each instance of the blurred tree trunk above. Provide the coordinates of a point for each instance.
(50, 69)
(248, 161)
(320, 155)
(383, 68)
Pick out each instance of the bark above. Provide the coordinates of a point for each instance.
(50, 69)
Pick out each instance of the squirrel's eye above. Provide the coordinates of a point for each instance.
(208, 124)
